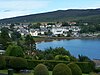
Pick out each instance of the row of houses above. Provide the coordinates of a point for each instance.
(47, 30)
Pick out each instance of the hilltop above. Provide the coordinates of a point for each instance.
(84, 15)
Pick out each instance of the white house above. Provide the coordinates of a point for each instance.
(58, 30)
(34, 32)
(2, 52)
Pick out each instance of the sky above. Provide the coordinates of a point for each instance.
(13, 8)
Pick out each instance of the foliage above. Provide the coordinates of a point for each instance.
(51, 23)
(15, 35)
(62, 57)
(14, 50)
(4, 37)
(49, 57)
(30, 43)
(86, 67)
(7, 59)
(49, 63)
(97, 69)
(41, 69)
(83, 58)
(56, 51)
(18, 63)
(61, 69)
(49, 54)
(34, 26)
(2, 62)
(72, 58)
(75, 69)
(65, 24)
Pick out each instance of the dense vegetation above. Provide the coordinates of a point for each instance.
(89, 15)
(61, 69)
(2, 62)
(17, 63)
(41, 69)
(75, 69)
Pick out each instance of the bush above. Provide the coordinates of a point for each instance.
(14, 50)
(2, 62)
(7, 59)
(97, 69)
(41, 70)
(75, 69)
(61, 69)
(18, 63)
(86, 67)
(62, 57)
(49, 63)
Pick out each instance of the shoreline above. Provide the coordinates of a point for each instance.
(48, 39)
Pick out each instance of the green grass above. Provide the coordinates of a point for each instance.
(50, 73)
(5, 72)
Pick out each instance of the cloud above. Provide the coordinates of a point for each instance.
(22, 4)
(12, 8)
(6, 10)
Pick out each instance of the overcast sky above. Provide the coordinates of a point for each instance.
(13, 8)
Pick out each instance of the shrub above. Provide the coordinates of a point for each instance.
(2, 62)
(7, 59)
(41, 70)
(61, 69)
(18, 63)
(62, 57)
(97, 69)
(75, 69)
(14, 50)
(86, 67)
(49, 63)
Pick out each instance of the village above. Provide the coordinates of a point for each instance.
(50, 30)
(55, 30)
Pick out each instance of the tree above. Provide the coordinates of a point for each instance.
(30, 43)
(83, 58)
(65, 24)
(12, 27)
(15, 35)
(14, 50)
(4, 37)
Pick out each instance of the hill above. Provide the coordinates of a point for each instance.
(88, 15)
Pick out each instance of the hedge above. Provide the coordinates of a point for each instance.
(49, 63)
(61, 69)
(2, 62)
(86, 67)
(41, 69)
(75, 69)
(18, 63)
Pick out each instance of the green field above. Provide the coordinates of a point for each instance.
(5, 72)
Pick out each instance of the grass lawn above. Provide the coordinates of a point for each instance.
(5, 72)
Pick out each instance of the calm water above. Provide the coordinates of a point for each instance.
(88, 47)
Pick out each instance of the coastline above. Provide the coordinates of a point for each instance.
(48, 39)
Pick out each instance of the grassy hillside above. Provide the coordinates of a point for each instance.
(89, 15)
